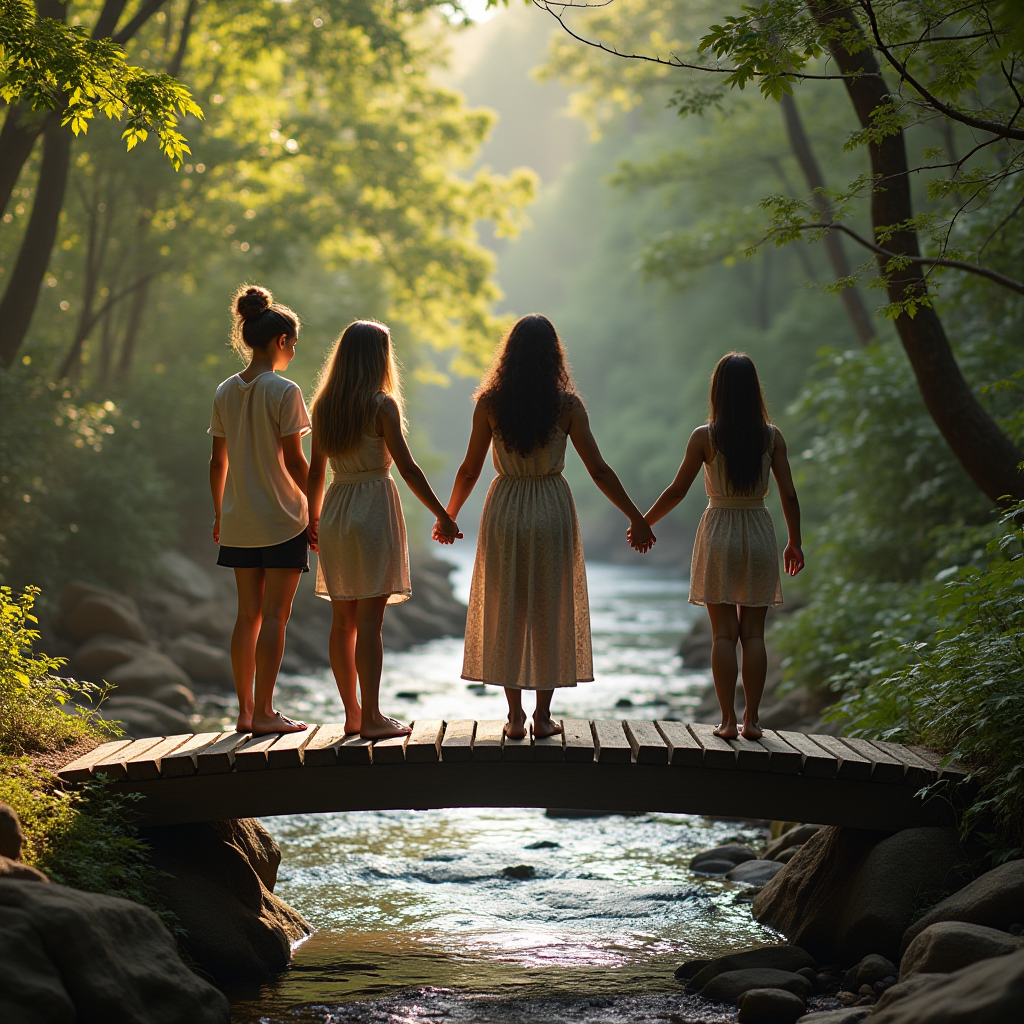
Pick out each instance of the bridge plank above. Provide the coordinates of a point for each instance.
(683, 749)
(717, 752)
(147, 764)
(547, 748)
(391, 750)
(610, 742)
(81, 768)
(646, 742)
(851, 764)
(818, 763)
(885, 768)
(219, 757)
(919, 772)
(182, 761)
(114, 763)
(425, 742)
(251, 756)
(287, 751)
(783, 759)
(517, 750)
(579, 739)
(487, 742)
(750, 755)
(322, 749)
(354, 749)
(457, 744)
(955, 771)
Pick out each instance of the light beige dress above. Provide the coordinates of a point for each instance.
(362, 540)
(735, 556)
(528, 625)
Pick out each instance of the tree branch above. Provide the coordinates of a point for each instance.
(145, 12)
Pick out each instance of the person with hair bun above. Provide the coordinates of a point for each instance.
(258, 480)
(735, 568)
(528, 626)
(358, 529)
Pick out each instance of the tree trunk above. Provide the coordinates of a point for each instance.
(19, 301)
(988, 456)
(16, 142)
(801, 146)
(131, 332)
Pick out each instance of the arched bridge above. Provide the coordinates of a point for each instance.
(605, 765)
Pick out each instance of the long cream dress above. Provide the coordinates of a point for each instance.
(735, 556)
(529, 617)
(362, 540)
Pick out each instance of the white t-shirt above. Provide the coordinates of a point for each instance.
(262, 504)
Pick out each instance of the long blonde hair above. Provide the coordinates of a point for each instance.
(361, 364)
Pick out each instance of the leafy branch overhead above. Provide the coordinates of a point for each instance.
(48, 65)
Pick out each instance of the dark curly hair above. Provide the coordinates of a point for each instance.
(739, 419)
(527, 384)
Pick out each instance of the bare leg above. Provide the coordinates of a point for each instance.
(243, 641)
(755, 666)
(515, 727)
(369, 662)
(543, 725)
(725, 628)
(342, 649)
(278, 593)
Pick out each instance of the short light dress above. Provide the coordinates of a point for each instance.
(528, 625)
(363, 547)
(735, 556)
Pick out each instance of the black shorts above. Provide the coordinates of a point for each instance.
(292, 554)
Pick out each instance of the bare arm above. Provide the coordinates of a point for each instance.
(693, 459)
(295, 459)
(473, 463)
(218, 477)
(315, 493)
(390, 423)
(793, 556)
(583, 440)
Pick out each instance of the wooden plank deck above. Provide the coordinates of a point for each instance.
(605, 765)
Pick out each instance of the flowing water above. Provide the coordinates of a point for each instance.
(418, 913)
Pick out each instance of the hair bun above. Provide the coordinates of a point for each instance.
(252, 302)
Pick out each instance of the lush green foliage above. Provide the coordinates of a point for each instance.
(32, 697)
(47, 65)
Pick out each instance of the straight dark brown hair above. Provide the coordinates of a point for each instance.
(739, 420)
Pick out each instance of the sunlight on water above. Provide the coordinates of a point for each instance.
(462, 914)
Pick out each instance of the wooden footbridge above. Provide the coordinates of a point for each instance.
(606, 765)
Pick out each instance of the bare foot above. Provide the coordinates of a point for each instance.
(751, 730)
(383, 728)
(545, 726)
(353, 722)
(243, 724)
(264, 725)
(727, 730)
(515, 727)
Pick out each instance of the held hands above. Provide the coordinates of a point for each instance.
(313, 533)
(640, 536)
(446, 530)
(793, 559)
(216, 530)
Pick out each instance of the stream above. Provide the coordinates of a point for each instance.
(509, 915)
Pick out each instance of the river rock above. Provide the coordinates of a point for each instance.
(140, 716)
(794, 837)
(906, 988)
(847, 1015)
(185, 577)
(255, 843)
(871, 968)
(16, 871)
(778, 958)
(11, 836)
(68, 956)
(689, 970)
(731, 854)
(755, 872)
(179, 698)
(949, 945)
(102, 652)
(730, 985)
(786, 855)
(770, 1006)
(236, 928)
(86, 610)
(202, 661)
(988, 992)
(994, 899)
(146, 673)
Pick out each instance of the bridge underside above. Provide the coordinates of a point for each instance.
(598, 766)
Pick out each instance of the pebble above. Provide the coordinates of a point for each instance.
(770, 1006)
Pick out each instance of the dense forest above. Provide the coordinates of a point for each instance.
(836, 193)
